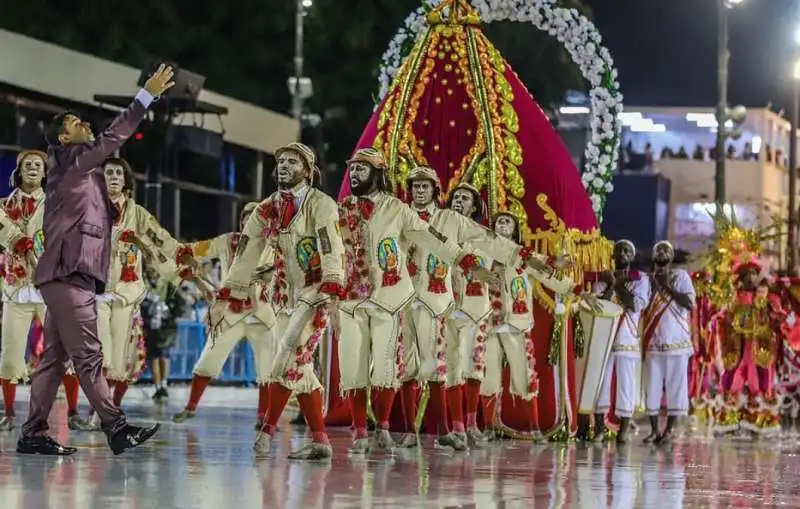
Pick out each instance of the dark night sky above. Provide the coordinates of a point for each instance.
(665, 50)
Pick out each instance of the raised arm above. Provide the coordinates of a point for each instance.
(331, 247)
(88, 156)
(203, 251)
(251, 251)
(427, 238)
(150, 230)
(503, 250)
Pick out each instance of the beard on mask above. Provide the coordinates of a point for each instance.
(364, 187)
(661, 262)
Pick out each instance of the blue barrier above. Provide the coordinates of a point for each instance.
(191, 337)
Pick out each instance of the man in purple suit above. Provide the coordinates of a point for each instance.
(74, 268)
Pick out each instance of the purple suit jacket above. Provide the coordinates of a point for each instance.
(78, 213)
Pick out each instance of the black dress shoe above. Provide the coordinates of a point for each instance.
(45, 446)
(130, 437)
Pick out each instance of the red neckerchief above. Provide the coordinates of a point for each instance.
(424, 215)
(288, 208)
(365, 208)
(28, 206)
(120, 206)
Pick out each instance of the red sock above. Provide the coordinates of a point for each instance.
(120, 388)
(199, 384)
(358, 409)
(436, 403)
(488, 411)
(9, 396)
(383, 407)
(71, 387)
(455, 403)
(311, 406)
(408, 396)
(263, 401)
(278, 397)
(473, 392)
(535, 414)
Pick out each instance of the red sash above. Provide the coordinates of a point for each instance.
(652, 316)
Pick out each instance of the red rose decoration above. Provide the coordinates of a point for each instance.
(23, 245)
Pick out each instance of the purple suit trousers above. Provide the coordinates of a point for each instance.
(70, 331)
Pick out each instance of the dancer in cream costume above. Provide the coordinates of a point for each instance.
(424, 332)
(135, 234)
(377, 230)
(631, 290)
(511, 321)
(24, 209)
(251, 318)
(667, 341)
(299, 226)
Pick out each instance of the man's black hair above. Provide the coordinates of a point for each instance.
(56, 127)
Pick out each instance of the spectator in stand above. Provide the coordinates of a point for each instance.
(162, 306)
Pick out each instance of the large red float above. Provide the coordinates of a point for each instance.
(457, 106)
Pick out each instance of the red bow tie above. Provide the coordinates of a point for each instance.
(366, 207)
(424, 215)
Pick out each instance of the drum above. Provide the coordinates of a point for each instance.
(599, 329)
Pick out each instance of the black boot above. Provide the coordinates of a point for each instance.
(130, 437)
(599, 427)
(584, 428)
(622, 434)
(667, 436)
(45, 446)
(653, 436)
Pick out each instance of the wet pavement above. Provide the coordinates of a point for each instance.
(208, 462)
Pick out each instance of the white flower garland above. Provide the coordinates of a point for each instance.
(583, 42)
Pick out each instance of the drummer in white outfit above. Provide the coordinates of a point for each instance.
(631, 290)
(668, 341)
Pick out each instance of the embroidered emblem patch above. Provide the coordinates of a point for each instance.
(437, 274)
(436, 233)
(519, 295)
(308, 254)
(38, 243)
(324, 240)
(153, 237)
(388, 261)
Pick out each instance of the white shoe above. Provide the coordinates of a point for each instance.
(262, 446)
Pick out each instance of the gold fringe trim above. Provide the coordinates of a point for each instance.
(589, 251)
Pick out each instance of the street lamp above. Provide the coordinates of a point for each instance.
(723, 55)
(791, 237)
(299, 85)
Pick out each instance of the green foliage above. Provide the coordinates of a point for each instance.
(245, 47)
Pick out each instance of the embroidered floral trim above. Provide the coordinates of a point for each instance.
(400, 361)
(330, 288)
(280, 287)
(234, 305)
(533, 377)
(479, 351)
(184, 255)
(127, 236)
(304, 354)
(496, 298)
(358, 285)
(441, 349)
(23, 245)
(128, 274)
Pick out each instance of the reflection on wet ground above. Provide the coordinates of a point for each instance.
(208, 463)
